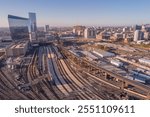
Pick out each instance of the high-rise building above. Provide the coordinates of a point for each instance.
(32, 27)
(32, 21)
(90, 33)
(79, 30)
(146, 35)
(18, 27)
(137, 27)
(138, 35)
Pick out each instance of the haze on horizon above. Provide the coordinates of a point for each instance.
(78, 12)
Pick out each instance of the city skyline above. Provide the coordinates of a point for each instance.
(79, 12)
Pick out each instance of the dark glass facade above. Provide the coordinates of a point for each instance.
(18, 27)
(32, 20)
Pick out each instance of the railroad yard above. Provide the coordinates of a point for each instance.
(49, 72)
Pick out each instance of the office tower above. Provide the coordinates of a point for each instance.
(18, 27)
(32, 27)
(90, 33)
(32, 21)
(138, 35)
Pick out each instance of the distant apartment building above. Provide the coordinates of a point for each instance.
(79, 30)
(103, 35)
(138, 35)
(126, 29)
(90, 33)
(146, 35)
(118, 36)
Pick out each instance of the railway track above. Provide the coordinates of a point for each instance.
(85, 80)
(47, 81)
(63, 81)
(31, 76)
(23, 72)
(132, 92)
(43, 89)
(75, 87)
(66, 85)
(34, 73)
(11, 88)
(87, 85)
(94, 80)
(97, 80)
(69, 82)
(77, 80)
(45, 86)
(56, 77)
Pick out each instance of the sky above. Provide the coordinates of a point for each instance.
(79, 12)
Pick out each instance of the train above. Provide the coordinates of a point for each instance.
(140, 77)
(59, 56)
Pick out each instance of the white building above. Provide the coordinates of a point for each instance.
(125, 29)
(89, 55)
(74, 31)
(146, 35)
(138, 35)
(17, 49)
(90, 33)
(102, 53)
(79, 30)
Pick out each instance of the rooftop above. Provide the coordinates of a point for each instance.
(17, 17)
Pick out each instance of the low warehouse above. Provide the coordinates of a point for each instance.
(89, 55)
(103, 53)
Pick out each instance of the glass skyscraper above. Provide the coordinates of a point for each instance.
(32, 27)
(18, 27)
(32, 20)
